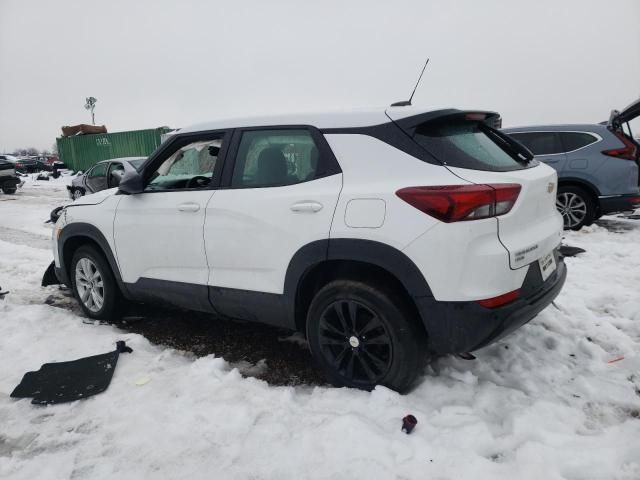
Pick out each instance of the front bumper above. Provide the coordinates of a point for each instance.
(457, 327)
(619, 203)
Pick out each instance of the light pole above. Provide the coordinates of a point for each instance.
(90, 104)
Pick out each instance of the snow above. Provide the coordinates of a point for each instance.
(543, 403)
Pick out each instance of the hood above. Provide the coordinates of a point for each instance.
(94, 198)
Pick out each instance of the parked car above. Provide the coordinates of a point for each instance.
(103, 175)
(8, 180)
(383, 236)
(597, 165)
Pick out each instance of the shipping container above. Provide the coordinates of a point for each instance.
(81, 152)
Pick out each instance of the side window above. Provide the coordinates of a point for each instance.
(575, 140)
(98, 171)
(191, 166)
(270, 158)
(540, 143)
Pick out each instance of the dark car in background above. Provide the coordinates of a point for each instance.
(597, 164)
(8, 180)
(103, 175)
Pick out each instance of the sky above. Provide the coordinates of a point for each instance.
(152, 63)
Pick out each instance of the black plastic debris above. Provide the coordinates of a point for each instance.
(409, 423)
(2, 294)
(567, 251)
(69, 381)
(49, 277)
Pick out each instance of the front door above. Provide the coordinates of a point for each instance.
(159, 232)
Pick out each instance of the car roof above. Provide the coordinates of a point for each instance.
(352, 118)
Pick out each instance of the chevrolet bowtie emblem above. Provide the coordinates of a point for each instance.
(550, 187)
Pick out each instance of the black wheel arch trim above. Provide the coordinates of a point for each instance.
(371, 252)
(86, 230)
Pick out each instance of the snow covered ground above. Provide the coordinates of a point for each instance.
(547, 402)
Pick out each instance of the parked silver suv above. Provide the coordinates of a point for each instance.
(597, 165)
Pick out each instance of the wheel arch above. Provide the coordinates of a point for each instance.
(74, 236)
(315, 264)
(584, 184)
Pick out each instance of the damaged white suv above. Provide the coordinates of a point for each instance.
(382, 235)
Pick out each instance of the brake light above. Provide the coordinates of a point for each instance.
(500, 300)
(628, 152)
(455, 203)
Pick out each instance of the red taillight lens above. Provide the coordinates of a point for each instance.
(455, 203)
(628, 152)
(500, 300)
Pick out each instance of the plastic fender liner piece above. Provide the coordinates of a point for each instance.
(69, 381)
(2, 294)
(50, 277)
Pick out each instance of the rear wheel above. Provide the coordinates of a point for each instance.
(576, 206)
(94, 284)
(9, 190)
(363, 336)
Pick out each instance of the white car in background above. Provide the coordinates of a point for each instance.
(383, 236)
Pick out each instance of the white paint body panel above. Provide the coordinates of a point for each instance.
(252, 233)
(155, 237)
(461, 261)
(534, 226)
(99, 211)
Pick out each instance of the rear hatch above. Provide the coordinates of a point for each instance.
(620, 124)
(471, 147)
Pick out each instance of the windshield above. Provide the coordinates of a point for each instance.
(469, 144)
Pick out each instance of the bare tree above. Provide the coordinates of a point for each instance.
(90, 104)
(32, 151)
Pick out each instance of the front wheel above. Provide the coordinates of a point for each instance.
(576, 206)
(94, 284)
(363, 336)
(9, 190)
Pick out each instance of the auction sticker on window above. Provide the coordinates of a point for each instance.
(547, 265)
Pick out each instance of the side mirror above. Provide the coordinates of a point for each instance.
(131, 183)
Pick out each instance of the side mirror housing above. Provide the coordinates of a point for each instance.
(131, 183)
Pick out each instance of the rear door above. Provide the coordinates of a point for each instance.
(280, 194)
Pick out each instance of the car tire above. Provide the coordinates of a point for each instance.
(9, 190)
(94, 284)
(76, 193)
(385, 346)
(576, 206)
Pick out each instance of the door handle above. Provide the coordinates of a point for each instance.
(306, 206)
(189, 207)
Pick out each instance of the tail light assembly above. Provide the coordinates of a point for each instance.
(456, 203)
(628, 152)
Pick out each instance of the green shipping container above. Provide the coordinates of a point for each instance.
(81, 152)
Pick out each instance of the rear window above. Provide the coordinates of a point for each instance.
(468, 144)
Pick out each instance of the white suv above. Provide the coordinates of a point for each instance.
(382, 235)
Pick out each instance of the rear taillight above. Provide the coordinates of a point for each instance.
(628, 152)
(500, 300)
(455, 203)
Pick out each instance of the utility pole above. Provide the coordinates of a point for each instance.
(90, 104)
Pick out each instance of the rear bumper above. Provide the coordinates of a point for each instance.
(619, 203)
(456, 327)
